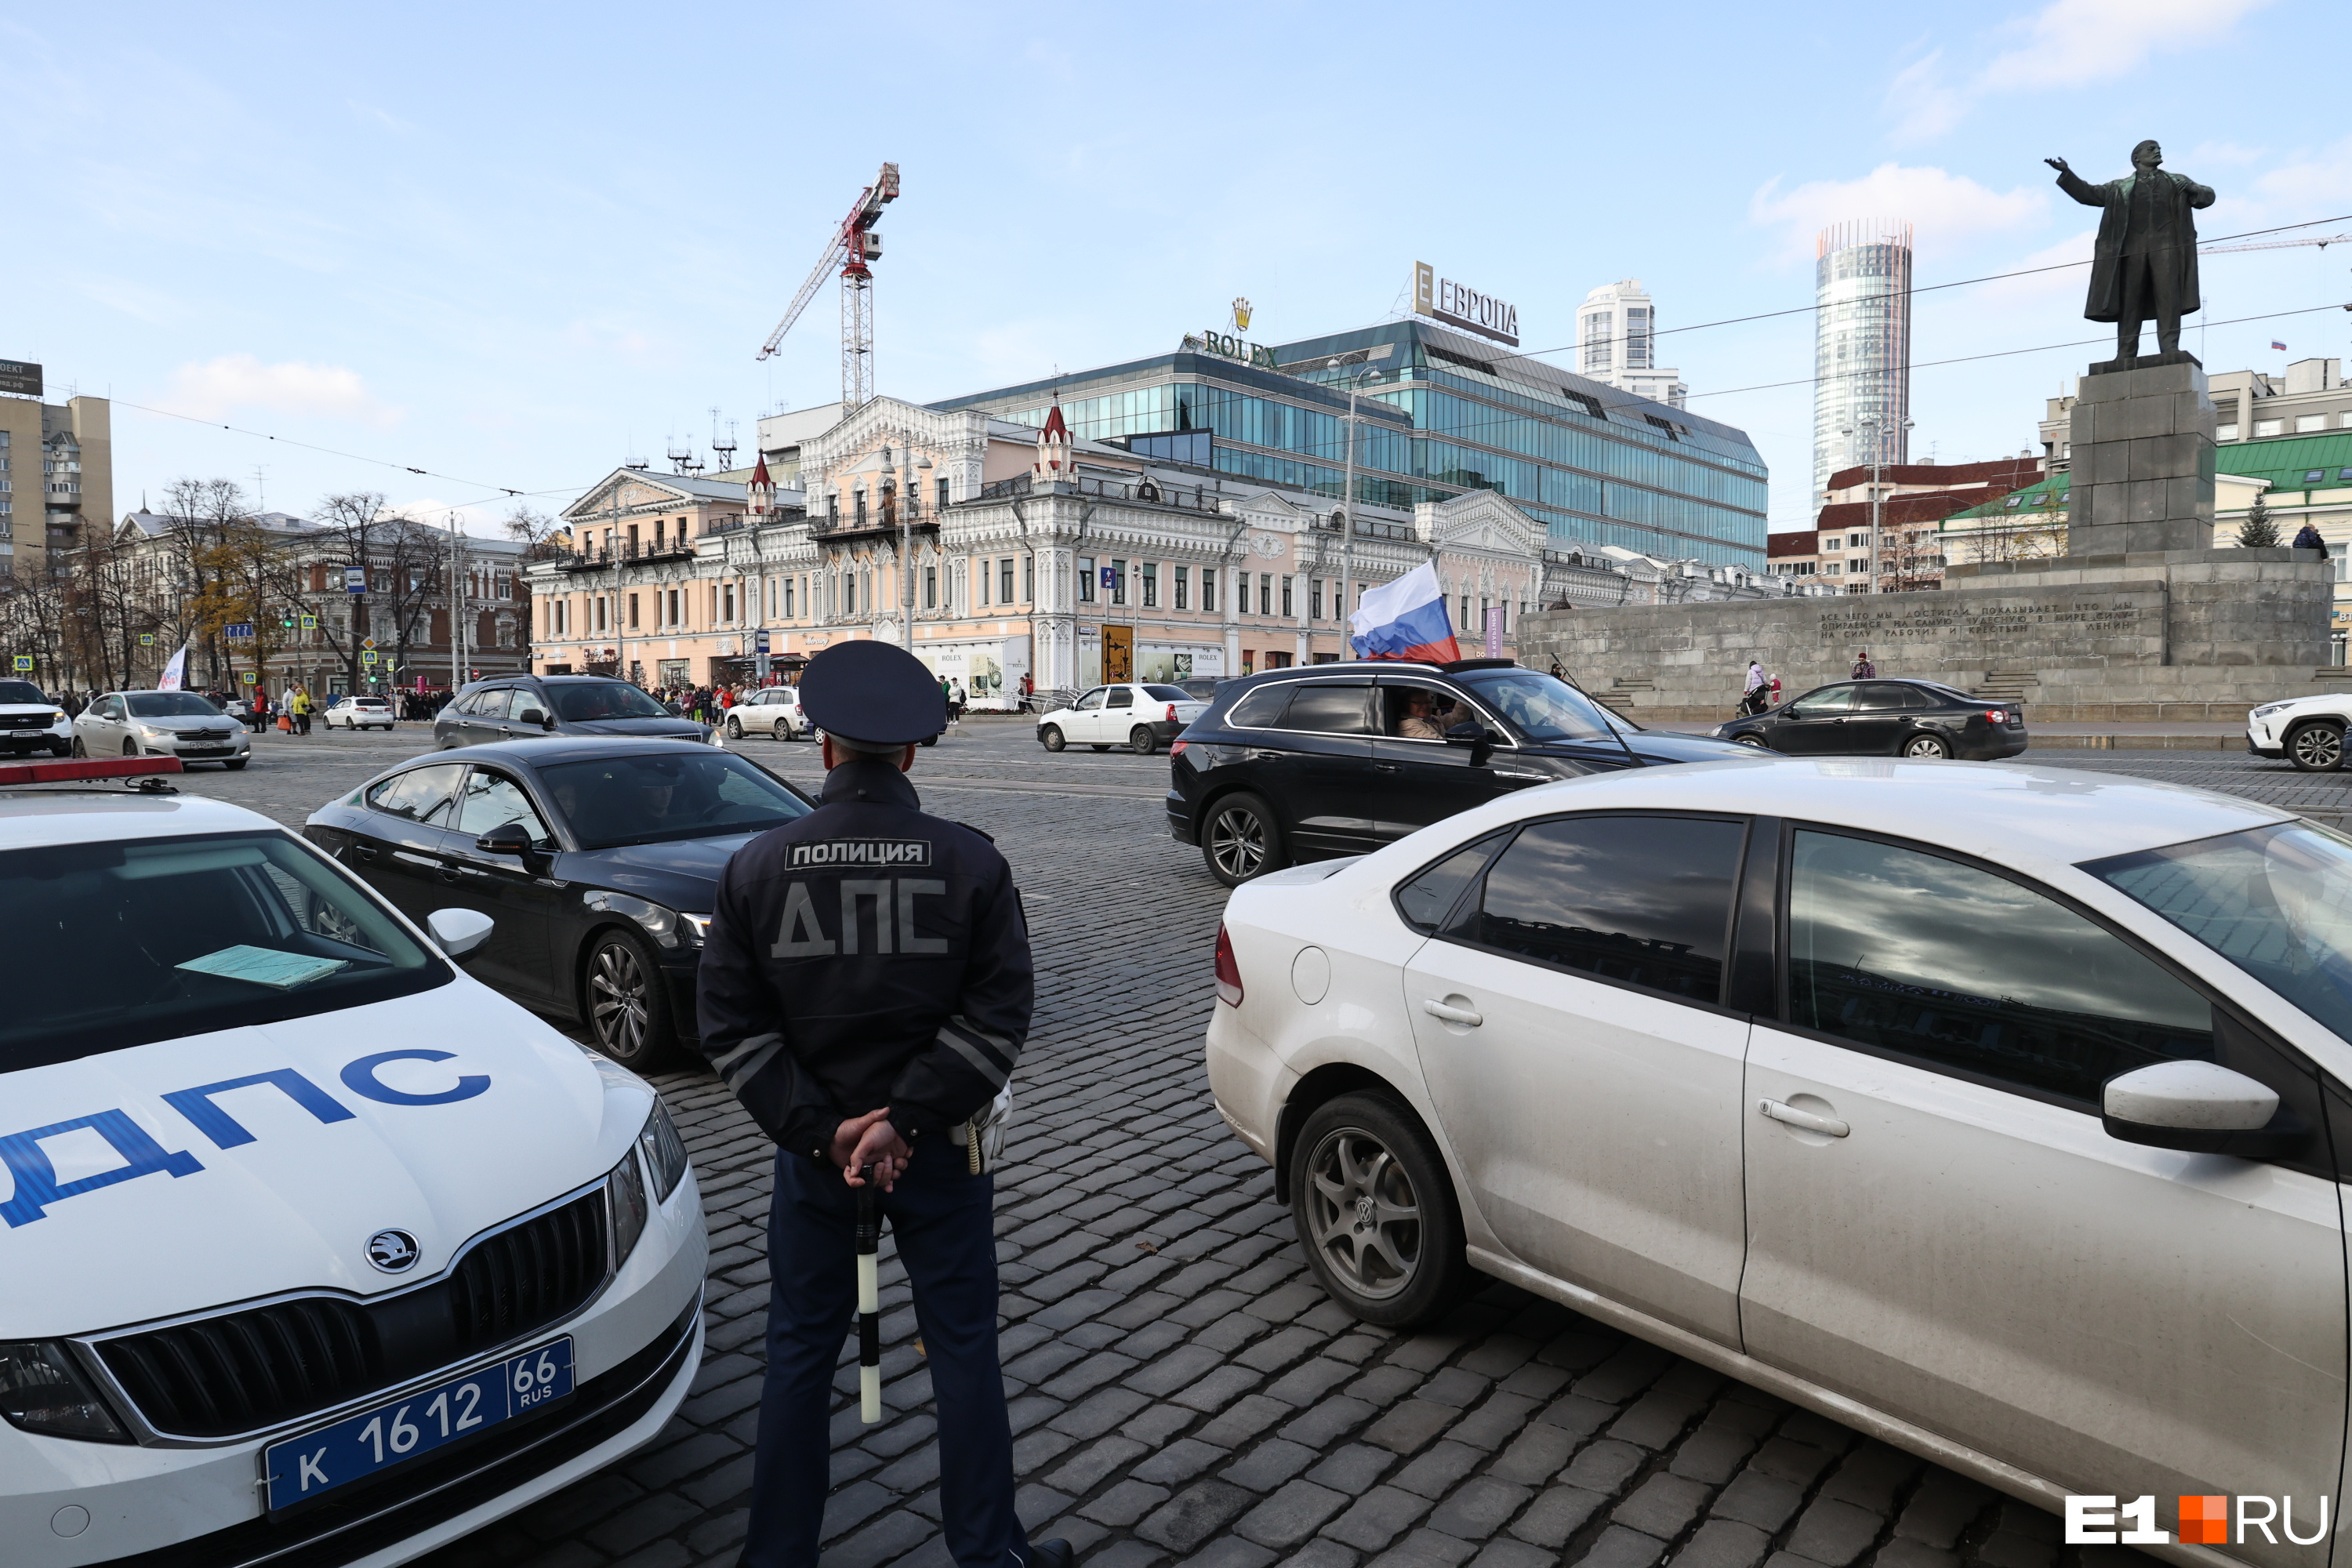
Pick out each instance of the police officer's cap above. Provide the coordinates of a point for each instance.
(876, 692)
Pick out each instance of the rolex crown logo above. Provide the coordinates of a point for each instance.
(1240, 315)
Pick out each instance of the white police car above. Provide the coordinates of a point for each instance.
(310, 1244)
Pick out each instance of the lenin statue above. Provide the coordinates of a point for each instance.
(2145, 261)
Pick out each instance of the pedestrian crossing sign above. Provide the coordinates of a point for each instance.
(21, 661)
(309, 622)
(146, 639)
(367, 656)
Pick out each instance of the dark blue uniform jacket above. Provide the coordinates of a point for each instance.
(866, 955)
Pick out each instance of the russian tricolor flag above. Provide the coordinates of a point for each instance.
(1406, 619)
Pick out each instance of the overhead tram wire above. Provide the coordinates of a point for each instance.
(1531, 354)
(353, 456)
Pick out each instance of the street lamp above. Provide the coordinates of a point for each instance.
(1870, 423)
(1365, 358)
(907, 553)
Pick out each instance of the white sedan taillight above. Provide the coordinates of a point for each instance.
(1229, 972)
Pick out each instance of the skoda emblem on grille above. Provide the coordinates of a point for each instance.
(393, 1251)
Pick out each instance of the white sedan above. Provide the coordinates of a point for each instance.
(1144, 717)
(1989, 1108)
(299, 1213)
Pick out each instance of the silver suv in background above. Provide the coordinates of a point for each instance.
(160, 724)
(772, 711)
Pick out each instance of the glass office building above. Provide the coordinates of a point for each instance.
(1441, 415)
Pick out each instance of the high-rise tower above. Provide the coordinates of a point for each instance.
(1616, 343)
(1862, 346)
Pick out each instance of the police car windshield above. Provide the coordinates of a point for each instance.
(1543, 707)
(20, 691)
(590, 701)
(686, 793)
(161, 939)
(170, 705)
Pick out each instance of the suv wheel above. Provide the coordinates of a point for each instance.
(1242, 841)
(734, 728)
(2316, 748)
(1142, 741)
(1375, 1212)
(625, 1001)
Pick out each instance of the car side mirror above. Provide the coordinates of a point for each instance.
(2200, 1108)
(535, 716)
(458, 931)
(1475, 735)
(505, 839)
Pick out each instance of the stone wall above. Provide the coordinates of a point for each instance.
(2179, 634)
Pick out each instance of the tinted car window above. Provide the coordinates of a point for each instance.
(1168, 694)
(1644, 900)
(171, 705)
(1427, 899)
(692, 792)
(1882, 697)
(1329, 710)
(590, 701)
(20, 691)
(1258, 709)
(1915, 953)
(282, 934)
(2275, 901)
(420, 795)
(493, 800)
(1121, 697)
(1827, 700)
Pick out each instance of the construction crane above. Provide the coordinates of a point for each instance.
(853, 244)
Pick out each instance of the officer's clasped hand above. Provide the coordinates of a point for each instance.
(866, 1141)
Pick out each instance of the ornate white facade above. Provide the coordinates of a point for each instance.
(996, 551)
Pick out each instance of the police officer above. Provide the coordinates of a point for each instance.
(866, 990)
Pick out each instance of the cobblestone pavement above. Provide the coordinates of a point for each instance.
(1180, 1391)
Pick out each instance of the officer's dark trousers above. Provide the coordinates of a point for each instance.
(940, 1217)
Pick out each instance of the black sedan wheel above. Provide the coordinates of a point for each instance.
(1142, 741)
(1755, 741)
(1933, 747)
(1242, 840)
(1050, 737)
(2316, 748)
(625, 1001)
(1375, 1213)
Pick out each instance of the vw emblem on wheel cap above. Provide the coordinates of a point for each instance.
(393, 1251)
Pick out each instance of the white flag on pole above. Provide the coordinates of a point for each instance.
(175, 672)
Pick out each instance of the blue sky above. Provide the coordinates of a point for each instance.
(513, 244)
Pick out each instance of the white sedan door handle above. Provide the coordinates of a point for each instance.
(1829, 1125)
(1466, 1017)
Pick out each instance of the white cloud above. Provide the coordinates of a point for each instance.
(1944, 207)
(2324, 179)
(217, 387)
(2068, 43)
(2067, 274)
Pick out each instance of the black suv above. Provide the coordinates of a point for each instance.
(1340, 759)
(520, 707)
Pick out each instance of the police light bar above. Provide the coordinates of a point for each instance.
(92, 768)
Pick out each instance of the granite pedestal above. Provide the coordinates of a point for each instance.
(2142, 455)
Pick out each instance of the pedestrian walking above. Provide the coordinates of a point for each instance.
(1863, 668)
(865, 987)
(300, 704)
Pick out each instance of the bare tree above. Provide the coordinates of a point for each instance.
(198, 515)
(544, 537)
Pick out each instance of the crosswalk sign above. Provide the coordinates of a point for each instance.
(309, 622)
(367, 656)
(21, 661)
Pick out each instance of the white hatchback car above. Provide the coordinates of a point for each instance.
(1994, 1110)
(358, 712)
(772, 711)
(313, 1244)
(1142, 717)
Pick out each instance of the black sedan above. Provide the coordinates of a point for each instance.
(526, 706)
(1339, 759)
(596, 859)
(1885, 719)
